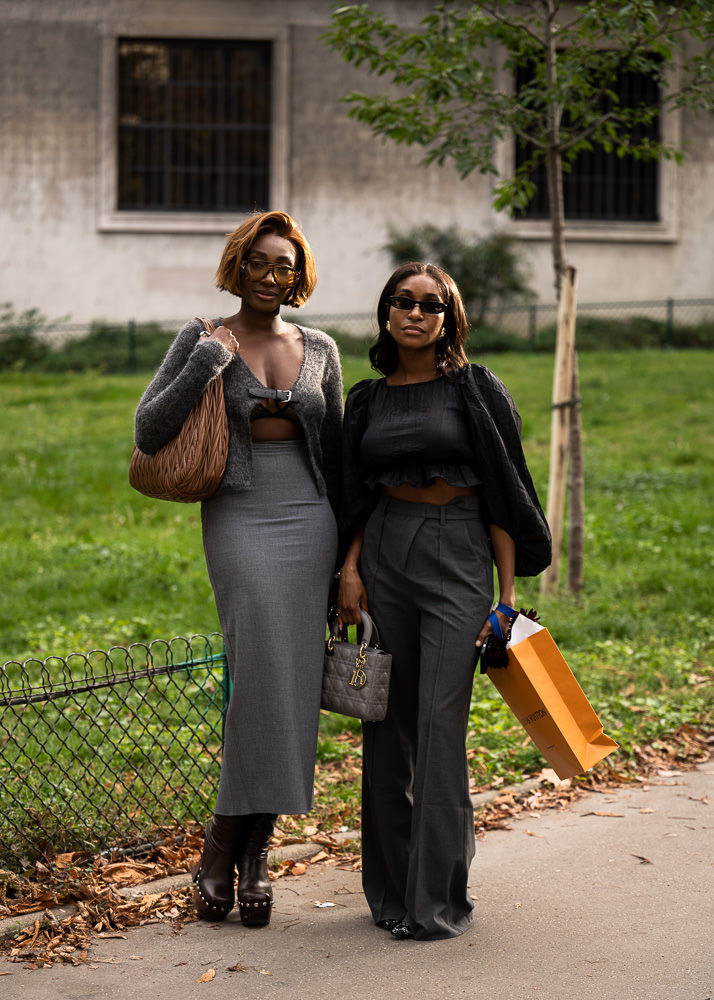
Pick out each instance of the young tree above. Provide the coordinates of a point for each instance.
(545, 74)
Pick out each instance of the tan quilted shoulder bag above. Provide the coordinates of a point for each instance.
(190, 467)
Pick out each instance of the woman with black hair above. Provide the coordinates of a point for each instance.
(436, 489)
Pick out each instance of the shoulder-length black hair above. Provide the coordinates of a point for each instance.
(450, 353)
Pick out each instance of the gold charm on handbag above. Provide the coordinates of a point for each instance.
(359, 677)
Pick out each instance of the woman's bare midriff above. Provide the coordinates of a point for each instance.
(440, 492)
(276, 429)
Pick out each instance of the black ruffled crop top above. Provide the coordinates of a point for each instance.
(417, 433)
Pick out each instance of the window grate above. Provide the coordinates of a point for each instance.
(194, 125)
(601, 186)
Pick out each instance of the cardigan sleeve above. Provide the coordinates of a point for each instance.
(358, 500)
(331, 429)
(508, 495)
(189, 365)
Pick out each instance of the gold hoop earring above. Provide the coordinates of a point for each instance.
(386, 326)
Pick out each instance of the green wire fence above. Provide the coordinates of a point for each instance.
(109, 750)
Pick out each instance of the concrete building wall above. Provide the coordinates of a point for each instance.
(65, 251)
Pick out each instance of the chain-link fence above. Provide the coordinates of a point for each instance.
(663, 322)
(134, 347)
(109, 749)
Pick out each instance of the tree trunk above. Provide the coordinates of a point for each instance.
(557, 216)
(576, 534)
(560, 425)
(564, 437)
(553, 156)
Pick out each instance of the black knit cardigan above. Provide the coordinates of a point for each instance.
(508, 497)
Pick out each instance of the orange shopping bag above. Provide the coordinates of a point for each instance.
(542, 692)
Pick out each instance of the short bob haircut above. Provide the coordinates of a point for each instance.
(450, 354)
(240, 243)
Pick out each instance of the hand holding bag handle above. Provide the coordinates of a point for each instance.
(190, 467)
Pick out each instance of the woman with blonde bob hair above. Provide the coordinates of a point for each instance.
(239, 245)
(270, 540)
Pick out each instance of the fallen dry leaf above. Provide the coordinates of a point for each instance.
(326, 840)
(149, 899)
(643, 860)
(207, 976)
(604, 812)
(548, 775)
(68, 860)
(128, 873)
(35, 934)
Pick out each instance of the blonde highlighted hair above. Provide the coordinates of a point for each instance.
(241, 240)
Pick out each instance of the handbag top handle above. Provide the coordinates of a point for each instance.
(369, 628)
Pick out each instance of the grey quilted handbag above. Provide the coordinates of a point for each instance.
(355, 680)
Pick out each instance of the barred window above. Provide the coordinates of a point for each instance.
(194, 125)
(601, 186)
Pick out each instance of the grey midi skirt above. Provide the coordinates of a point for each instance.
(270, 553)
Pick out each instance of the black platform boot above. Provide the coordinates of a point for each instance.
(214, 876)
(255, 894)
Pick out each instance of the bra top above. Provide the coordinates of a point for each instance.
(285, 412)
(284, 397)
(417, 433)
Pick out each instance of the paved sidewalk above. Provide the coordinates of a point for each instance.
(609, 899)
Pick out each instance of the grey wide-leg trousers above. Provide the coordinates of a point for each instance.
(428, 572)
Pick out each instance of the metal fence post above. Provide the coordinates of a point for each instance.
(532, 323)
(669, 327)
(132, 345)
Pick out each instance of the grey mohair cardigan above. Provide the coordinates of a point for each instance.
(190, 364)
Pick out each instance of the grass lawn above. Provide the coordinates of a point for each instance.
(86, 562)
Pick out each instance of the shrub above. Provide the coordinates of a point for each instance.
(631, 333)
(111, 349)
(20, 344)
